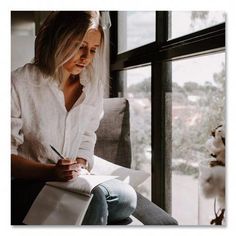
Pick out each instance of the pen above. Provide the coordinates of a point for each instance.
(54, 149)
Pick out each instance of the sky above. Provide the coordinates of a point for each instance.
(141, 30)
(198, 69)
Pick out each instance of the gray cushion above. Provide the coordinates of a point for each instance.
(150, 214)
(113, 134)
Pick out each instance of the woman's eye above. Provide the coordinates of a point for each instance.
(84, 47)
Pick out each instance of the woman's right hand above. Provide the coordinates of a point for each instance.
(65, 170)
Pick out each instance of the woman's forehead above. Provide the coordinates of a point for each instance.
(93, 36)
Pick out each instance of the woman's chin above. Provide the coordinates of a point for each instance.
(76, 72)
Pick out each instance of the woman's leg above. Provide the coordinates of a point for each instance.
(113, 201)
(121, 200)
(97, 212)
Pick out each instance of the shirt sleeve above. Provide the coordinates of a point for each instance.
(89, 138)
(17, 137)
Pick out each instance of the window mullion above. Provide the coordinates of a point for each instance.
(161, 115)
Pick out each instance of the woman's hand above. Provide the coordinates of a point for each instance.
(82, 166)
(66, 170)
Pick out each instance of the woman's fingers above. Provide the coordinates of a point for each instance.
(74, 167)
(66, 169)
(66, 162)
(70, 173)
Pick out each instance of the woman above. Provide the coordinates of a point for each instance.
(58, 100)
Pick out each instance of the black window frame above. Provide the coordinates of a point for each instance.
(158, 54)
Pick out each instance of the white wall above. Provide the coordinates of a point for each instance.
(22, 50)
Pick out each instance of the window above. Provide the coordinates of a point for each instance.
(184, 74)
(185, 22)
(135, 28)
(137, 88)
(197, 108)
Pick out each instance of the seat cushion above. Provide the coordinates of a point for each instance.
(113, 134)
(150, 214)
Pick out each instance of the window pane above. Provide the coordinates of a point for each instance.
(185, 22)
(138, 91)
(135, 28)
(198, 98)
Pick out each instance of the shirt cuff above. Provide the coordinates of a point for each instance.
(88, 156)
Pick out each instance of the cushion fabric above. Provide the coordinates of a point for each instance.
(113, 134)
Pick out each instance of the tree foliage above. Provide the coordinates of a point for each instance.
(192, 120)
(192, 126)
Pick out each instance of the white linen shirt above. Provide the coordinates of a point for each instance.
(39, 117)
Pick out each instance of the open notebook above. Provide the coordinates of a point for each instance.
(84, 184)
(64, 203)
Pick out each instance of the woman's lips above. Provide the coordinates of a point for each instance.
(80, 65)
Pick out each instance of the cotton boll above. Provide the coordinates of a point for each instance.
(207, 182)
(216, 144)
(210, 146)
(212, 182)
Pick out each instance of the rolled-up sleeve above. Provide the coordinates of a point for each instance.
(86, 149)
(17, 137)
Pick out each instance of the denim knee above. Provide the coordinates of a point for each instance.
(127, 205)
(113, 201)
(121, 200)
(97, 212)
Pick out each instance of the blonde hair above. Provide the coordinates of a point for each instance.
(55, 43)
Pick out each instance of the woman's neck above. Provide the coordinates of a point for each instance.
(72, 90)
(69, 79)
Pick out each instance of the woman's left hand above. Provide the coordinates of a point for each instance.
(82, 166)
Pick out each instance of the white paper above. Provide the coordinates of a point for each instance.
(84, 184)
(54, 206)
(133, 177)
(64, 203)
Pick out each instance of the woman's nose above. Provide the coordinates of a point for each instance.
(85, 54)
(84, 57)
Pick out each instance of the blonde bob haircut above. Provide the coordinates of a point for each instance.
(59, 38)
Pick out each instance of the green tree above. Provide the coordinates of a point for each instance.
(189, 139)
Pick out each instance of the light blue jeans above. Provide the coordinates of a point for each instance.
(113, 201)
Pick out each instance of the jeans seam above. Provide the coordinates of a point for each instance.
(108, 193)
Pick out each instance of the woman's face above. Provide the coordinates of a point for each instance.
(85, 54)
